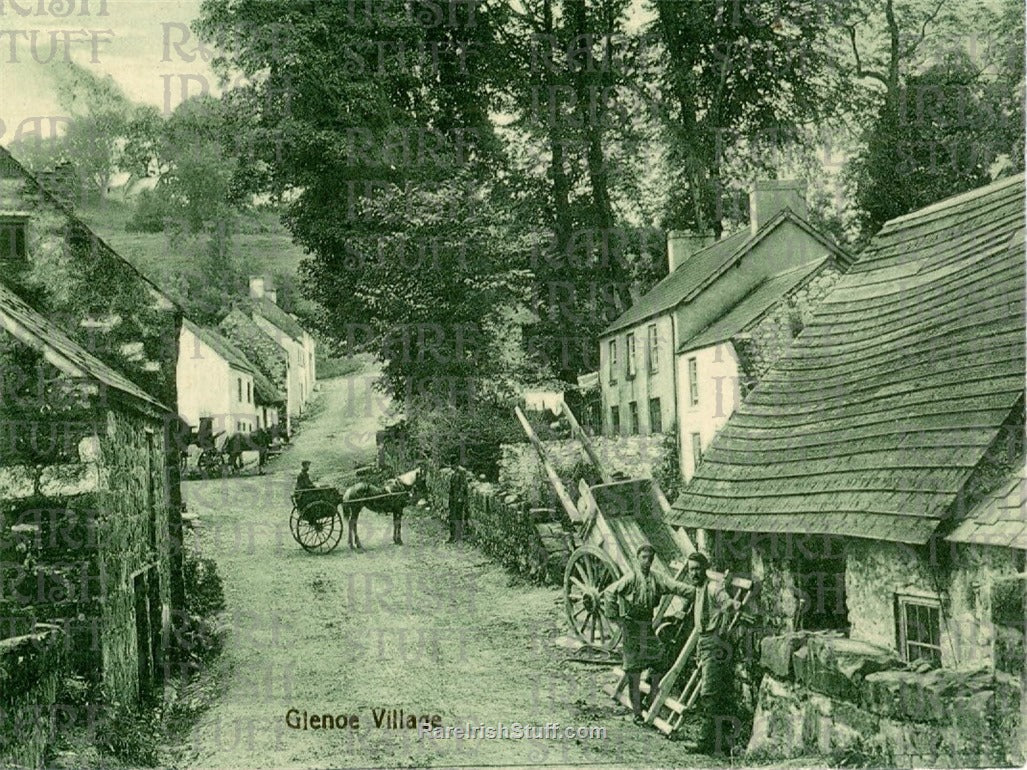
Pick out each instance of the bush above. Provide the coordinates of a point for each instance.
(149, 215)
(205, 593)
(469, 436)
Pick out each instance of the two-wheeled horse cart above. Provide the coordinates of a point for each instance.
(316, 521)
(612, 520)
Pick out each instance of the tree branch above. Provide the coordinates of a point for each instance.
(860, 72)
(911, 49)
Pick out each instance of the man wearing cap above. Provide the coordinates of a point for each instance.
(633, 599)
(711, 608)
(303, 480)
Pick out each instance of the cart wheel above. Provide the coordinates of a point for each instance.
(210, 462)
(318, 527)
(589, 571)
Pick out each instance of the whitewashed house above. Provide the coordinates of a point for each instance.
(290, 335)
(215, 381)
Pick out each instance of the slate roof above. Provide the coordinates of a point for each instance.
(269, 311)
(35, 330)
(258, 346)
(702, 268)
(751, 306)
(220, 345)
(872, 422)
(1000, 519)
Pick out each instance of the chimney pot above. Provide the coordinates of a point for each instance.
(256, 286)
(682, 244)
(770, 196)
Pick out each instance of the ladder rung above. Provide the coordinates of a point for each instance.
(662, 726)
(674, 705)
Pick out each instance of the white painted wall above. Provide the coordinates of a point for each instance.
(208, 386)
(719, 396)
(645, 384)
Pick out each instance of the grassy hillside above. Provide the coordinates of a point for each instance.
(261, 246)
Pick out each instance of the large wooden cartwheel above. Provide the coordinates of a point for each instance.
(589, 571)
(317, 526)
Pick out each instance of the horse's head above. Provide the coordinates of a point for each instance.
(406, 482)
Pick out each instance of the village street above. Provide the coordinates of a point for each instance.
(427, 627)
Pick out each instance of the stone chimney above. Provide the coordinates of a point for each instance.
(768, 197)
(262, 287)
(681, 244)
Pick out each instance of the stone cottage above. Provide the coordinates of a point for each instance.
(681, 355)
(271, 364)
(66, 273)
(290, 335)
(871, 482)
(84, 506)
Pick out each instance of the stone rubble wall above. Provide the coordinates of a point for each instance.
(31, 669)
(825, 694)
(521, 472)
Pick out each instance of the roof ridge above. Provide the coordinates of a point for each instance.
(952, 201)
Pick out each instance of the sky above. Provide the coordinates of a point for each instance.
(145, 45)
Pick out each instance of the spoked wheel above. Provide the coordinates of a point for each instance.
(210, 462)
(589, 571)
(318, 527)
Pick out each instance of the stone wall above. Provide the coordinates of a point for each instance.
(76, 537)
(31, 669)
(521, 472)
(773, 333)
(853, 702)
(959, 576)
(499, 523)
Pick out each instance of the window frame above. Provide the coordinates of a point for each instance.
(635, 426)
(653, 340)
(630, 370)
(239, 382)
(612, 355)
(693, 381)
(615, 419)
(932, 606)
(18, 224)
(655, 426)
(696, 449)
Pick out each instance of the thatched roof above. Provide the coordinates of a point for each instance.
(872, 423)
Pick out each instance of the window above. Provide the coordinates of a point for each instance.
(614, 420)
(693, 382)
(240, 388)
(654, 350)
(696, 450)
(630, 355)
(12, 238)
(655, 416)
(613, 362)
(633, 414)
(919, 630)
(249, 397)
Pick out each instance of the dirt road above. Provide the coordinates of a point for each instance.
(423, 629)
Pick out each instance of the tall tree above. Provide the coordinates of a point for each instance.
(375, 116)
(733, 75)
(942, 106)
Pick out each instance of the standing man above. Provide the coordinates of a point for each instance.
(633, 599)
(457, 504)
(712, 609)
